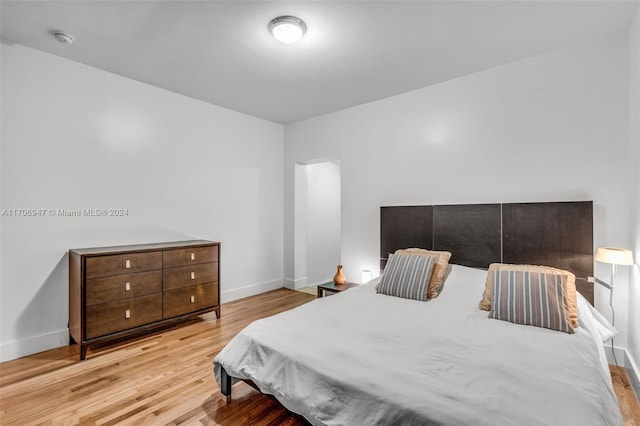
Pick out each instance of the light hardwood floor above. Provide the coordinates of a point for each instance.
(164, 378)
(627, 399)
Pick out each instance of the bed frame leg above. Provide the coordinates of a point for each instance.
(225, 384)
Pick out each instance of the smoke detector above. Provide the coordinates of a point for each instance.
(63, 37)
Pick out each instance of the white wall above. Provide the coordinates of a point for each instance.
(75, 137)
(633, 349)
(552, 127)
(323, 223)
(301, 229)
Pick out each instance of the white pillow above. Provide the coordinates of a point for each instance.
(596, 323)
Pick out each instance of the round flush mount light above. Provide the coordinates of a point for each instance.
(287, 29)
(63, 37)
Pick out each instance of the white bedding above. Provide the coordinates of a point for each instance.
(361, 358)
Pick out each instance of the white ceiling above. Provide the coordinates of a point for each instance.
(354, 51)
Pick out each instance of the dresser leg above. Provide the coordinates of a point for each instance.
(83, 351)
(217, 311)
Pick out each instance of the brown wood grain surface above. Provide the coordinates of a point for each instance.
(100, 290)
(189, 256)
(189, 299)
(116, 264)
(122, 291)
(186, 276)
(628, 400)
(558, 234)
(111, 317)
(159, 379)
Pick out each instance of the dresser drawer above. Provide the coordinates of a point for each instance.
(186, 276)
(100, 290)
(105, 266)
(189, 256)
(189, 299)
(111, 317)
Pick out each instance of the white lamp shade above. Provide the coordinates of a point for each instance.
(615, 256)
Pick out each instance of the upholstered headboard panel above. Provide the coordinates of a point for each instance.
(558, 234)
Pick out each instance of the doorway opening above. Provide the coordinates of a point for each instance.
(317, 223)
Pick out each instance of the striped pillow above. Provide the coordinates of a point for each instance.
(407, 276)
(531, 298)
(439, 269)
(570, 286)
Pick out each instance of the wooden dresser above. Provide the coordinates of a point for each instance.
(116, 292)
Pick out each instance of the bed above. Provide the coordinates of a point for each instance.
(360, 357)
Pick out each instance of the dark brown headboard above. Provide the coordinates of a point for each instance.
(558, 234)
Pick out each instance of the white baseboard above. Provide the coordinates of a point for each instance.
(33, 345)
(620, 357)
(633, 372)
(296, 284)
(250, 290)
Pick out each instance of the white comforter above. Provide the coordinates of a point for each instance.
(361, 358)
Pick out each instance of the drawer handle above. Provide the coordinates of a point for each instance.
(127, 286)
(193, 256)
(127, 314)
(193, 275)
(193, 299)
(127, 264)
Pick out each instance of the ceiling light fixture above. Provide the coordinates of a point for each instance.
(287, 29)
(63, 37)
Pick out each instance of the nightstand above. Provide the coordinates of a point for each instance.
(332, 287)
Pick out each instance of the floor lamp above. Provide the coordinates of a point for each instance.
(614, 256)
